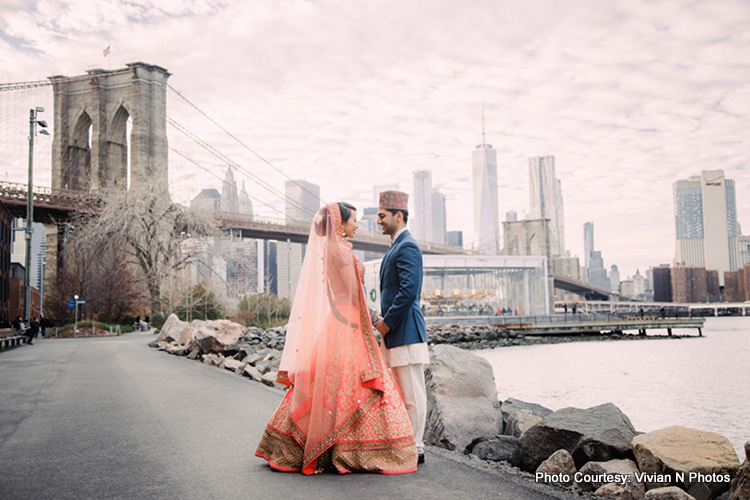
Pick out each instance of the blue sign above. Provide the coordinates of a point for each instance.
(71, 304)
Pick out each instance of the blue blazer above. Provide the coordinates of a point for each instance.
(400, 291)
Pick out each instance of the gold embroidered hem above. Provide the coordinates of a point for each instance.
(377, 438)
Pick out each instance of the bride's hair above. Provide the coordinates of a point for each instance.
(321, 217)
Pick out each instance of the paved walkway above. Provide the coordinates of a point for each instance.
(112, 418)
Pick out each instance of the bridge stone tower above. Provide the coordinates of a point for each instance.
(91, 112)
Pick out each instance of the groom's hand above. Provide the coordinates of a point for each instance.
(382, 327)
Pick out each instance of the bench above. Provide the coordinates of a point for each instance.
(9, 338)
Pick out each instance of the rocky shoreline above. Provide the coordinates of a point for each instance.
(594, 450)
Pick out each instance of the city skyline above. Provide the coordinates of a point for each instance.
(628, 98)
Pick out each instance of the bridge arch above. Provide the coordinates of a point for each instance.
(127, 119)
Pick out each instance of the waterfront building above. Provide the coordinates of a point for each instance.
(207, 199)
(420, 215)
(614, 278)
(471, 284)
(662, 280)
(438, 217)
(639, 286)
(689, 284)
(6, 238)
(627, 288)
(706, 222)
(38, 250)
(484, 180)
(302, 202)
(597, 274)
(455, 238)
(743, 250)
(546, 202)
(712, 285)
(530, 237)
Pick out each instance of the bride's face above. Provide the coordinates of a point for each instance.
(350, 226)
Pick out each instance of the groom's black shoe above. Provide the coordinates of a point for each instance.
(420, 458)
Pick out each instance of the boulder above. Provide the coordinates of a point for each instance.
(234, 365)
(559, 468)
(253, 373)
(591, 476)
(194, 353)
(177, 350)
(269, 379)
(519, 422)
(512, 405)
(253, 358)
(499, 449)
(699, 462)
(460, 395)
(176, 331)
(215, 335)
(741, 483)
(599, 433)
(668, 493)
(213, 359)
(620, 491)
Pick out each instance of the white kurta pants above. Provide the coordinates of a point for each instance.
(407, 366)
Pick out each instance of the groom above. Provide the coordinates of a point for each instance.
(402, 324)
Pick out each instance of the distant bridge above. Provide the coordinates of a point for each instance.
(55, 206)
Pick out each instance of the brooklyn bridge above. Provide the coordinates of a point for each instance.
(110, 130)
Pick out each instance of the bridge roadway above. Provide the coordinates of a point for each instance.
(56, 206)
(113, 418)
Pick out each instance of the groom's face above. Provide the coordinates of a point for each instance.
(387, 222)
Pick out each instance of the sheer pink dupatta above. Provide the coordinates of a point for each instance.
(330, 357)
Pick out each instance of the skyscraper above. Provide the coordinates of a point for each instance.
(706, 222)
(486, 219)
(588, 245)
(420, 221)
(229, 198)
(302, 202)
(438, 218)
(545, 192)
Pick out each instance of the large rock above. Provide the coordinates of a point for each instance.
(499, 449)
(521, 421)
(215, 335)
(512, 405)
(233, 365)
(559, 468)
(599, 433)
(621, 491)
(594, 475)
(668, 493)
(176, 331)
(460, 395)
(741, 483)
(699, 462)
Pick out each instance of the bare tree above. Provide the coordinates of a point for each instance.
(149, 228)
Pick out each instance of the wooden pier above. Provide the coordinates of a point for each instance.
(574, 325)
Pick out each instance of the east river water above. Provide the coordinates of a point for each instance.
(700, 382)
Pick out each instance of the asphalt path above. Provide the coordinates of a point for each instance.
(107, 418)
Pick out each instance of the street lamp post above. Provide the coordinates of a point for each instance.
(33, 122)
(75, 325)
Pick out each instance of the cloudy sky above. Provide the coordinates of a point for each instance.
(628, 96)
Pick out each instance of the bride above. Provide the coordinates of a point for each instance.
(342, 411)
